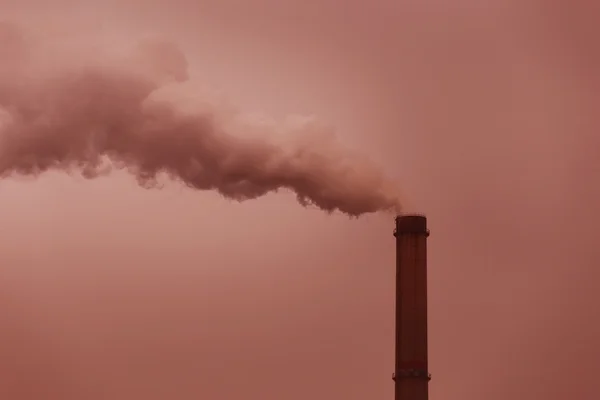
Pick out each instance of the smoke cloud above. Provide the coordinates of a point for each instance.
(85, 109)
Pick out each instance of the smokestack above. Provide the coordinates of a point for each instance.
(411, 376)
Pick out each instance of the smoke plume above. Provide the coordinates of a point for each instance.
(83, 109)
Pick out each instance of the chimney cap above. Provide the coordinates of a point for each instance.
(411, 223)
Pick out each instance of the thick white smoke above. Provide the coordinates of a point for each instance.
(72, 108)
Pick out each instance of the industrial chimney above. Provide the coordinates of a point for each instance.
(411, 376)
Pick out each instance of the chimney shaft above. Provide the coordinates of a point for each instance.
(411, 376)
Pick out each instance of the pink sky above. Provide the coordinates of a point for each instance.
(485, 113)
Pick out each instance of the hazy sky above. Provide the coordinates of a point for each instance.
(486, 114)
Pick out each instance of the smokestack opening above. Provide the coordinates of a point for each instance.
(413, 223)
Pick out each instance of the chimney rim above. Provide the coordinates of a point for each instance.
(411, 223)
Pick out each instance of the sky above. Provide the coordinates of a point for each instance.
(484, 114)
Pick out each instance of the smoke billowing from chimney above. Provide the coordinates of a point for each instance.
(79, 108)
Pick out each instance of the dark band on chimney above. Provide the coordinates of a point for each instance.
(407, 224)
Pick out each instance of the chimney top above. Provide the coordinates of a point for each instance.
(414, 223)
